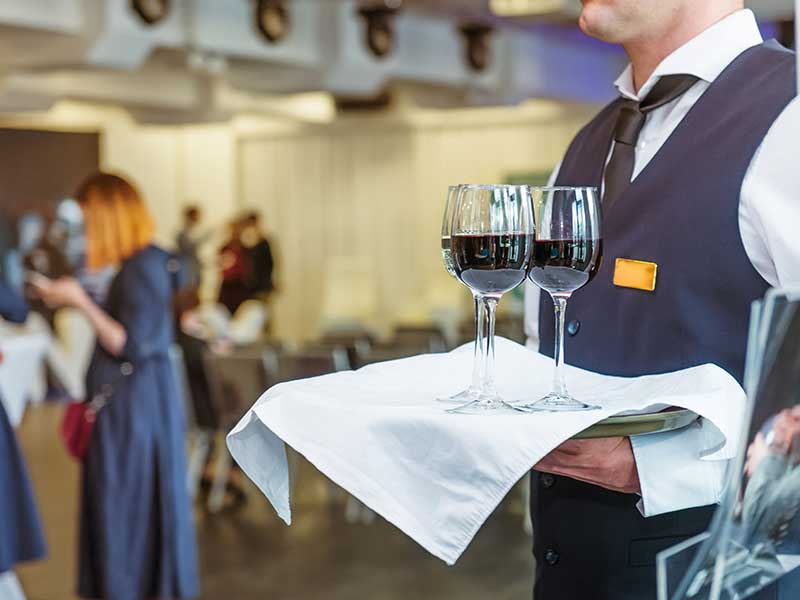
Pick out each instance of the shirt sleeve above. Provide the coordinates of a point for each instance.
(769, 207)
(672, 471)
(672, 474)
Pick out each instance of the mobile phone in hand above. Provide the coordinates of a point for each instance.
(37, 280)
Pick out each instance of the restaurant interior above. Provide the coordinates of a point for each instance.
(331, 129)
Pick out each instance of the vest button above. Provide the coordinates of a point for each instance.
(573, 327)
(551, 556)
(547, 480)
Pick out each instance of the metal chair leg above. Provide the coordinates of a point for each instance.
(352, 510)
(367, 515)
(197, 461)
(223, 471)
(291, 461)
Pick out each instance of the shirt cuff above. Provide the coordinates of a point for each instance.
(672, 474)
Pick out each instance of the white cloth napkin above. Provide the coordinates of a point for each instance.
(23, 356)
(379, 433)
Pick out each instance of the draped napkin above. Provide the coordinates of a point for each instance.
(379, 433)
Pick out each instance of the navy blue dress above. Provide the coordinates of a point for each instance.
(137, 536)
(21, 537)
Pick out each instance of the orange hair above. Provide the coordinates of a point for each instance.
(116, 219)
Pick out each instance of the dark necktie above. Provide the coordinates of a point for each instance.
(629, 123)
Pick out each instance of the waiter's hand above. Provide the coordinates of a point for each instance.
(606, 462)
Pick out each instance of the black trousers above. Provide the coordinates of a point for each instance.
(593, 544)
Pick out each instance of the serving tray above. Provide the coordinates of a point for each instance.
(625, 425)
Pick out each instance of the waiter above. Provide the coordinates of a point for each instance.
(697, 162)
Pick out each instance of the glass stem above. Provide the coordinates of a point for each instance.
(490, 305)
(477, 361)
(559, 376)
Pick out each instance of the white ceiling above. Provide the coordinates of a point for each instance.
(206, 61)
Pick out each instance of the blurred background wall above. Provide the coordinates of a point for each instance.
(346, 153)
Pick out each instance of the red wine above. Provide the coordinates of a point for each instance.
(563, 266)
(491, 263)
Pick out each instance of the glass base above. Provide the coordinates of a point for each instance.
(558, 403)
(461, 397)
(486, 404)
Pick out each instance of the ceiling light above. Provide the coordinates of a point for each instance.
(272, 19)
(379, 28)
(151, 11)
(477, 46)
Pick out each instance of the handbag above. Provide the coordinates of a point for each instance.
(79, 418)
(76, 428)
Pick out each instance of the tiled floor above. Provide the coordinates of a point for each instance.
(250, 554)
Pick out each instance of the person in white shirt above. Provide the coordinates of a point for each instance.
(697, 172)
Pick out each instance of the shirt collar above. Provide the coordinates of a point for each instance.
(704, 56)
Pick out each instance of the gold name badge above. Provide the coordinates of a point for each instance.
(636, 274)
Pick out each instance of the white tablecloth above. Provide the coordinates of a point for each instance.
(23, 355)
(379, 434)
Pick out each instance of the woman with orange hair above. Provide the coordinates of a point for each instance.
(136, 535)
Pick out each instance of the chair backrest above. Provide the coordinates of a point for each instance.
(428, 338)
(352, 342)
(236, 380)
(406, 341)
(385, 352)
(511, 327)
(311, 362)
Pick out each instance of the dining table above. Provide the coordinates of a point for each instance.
(23, 356)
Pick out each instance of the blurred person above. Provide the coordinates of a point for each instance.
(137, 537)
(41, 254)
(770, 508)
(21, 537)
(260, 252)
(10, 260)
(694, 160)
(234, 261)
(40, 247)
(190, 336)
(771, 504)
(68, 232)
(194, 340)
(190, 238)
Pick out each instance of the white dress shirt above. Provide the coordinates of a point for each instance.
(671, 473)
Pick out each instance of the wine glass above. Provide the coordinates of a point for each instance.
(566, 256)
(447, 257)
(491, 241)
(447, 224)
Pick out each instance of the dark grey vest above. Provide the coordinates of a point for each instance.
(681, 212)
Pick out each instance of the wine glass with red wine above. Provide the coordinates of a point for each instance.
(566, 256)
(447, 257)
(491, 241)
